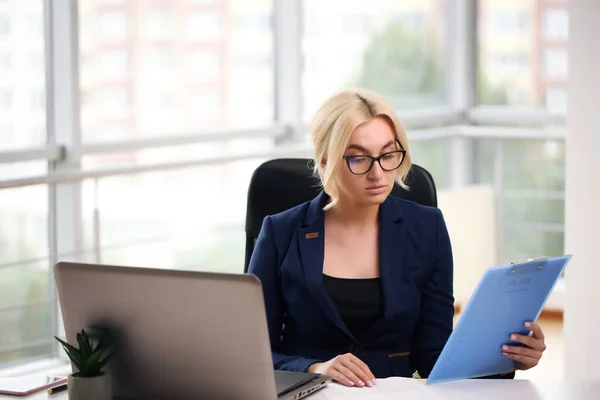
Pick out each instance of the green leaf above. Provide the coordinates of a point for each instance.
(84, 343)
(72, 351)
(67, 345)
(103, 343)
(76, 359)
(92, 363)
(106, 360)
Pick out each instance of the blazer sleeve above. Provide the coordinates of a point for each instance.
(437, 304)
(437, 308)
(264, 264)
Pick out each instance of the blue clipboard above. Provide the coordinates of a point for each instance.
(505, 298)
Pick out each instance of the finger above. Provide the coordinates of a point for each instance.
(534, 343)
(341, 378)
(536, 329)
(363, 366)
(349, 375)
(523, 351)
(348, 363)
(527, 362)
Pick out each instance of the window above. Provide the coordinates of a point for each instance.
(556, 24)
(357, 24)
(510, 64)
(515, 54)
(207, 104)
(517, 96)
(4, 25)
(157, 26)
(25, 319)
(412, 20)
(6, 129)
(556, 62)
(204, 65)
(357, 44)
(22, 77)
(204, 26)
(157, 63)
(253, 22)
(112, 27)
(114, 64)
(5, 63)
(25, 301)
(38, 100)
(6, 98)
(35, 24)
(165, 53)
(37, 61)
(556, 100)
(113, 102)
(510, 21)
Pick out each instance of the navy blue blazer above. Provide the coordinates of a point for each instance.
(416, 269)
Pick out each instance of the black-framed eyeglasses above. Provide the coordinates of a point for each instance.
(361, 164)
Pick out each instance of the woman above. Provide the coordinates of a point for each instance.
(358, 283)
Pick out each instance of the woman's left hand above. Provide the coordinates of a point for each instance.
(527, 356)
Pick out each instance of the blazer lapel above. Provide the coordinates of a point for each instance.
(392, 239)
(311, 242)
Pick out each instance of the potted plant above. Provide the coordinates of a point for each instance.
(90, 382)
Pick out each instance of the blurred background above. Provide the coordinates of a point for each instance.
(129, 129)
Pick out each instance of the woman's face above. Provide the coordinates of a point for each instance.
(373, 138)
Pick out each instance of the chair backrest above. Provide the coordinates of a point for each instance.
(280, 184)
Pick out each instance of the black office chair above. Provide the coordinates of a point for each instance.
(283, 183)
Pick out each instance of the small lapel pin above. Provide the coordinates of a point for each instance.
(312, 235)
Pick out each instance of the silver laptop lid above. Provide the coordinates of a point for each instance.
(182, 334)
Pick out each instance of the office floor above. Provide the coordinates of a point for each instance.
(550, 367)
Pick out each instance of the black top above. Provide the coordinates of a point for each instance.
(359, 301)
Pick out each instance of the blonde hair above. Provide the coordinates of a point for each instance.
(333, 124)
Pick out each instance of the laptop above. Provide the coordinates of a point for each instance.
(179, 334)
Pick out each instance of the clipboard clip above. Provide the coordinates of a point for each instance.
(528, 260)
(514, 269)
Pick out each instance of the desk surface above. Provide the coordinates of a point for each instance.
(415, 389)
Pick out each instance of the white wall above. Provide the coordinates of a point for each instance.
(582, 219)
(470, 217)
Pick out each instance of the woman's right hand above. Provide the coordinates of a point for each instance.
(346, 369)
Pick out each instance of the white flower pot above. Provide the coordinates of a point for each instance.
(97, 388)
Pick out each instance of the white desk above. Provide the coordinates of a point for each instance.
(491, 389)
(415, 389)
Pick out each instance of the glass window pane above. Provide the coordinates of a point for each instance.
(556, 23)
(24, 284)
(23, 232)
(204, 26)
(520, 244)
(190, 218)
(525, 164)
(556, 64)
(22, 74)
(431, 155)
(165, 68)
(523, 210)
(523, 53)
(22, 169)
(393, 47)
(531, 174)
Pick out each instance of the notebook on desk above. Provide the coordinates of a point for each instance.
(505, 298)
(180, 334)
